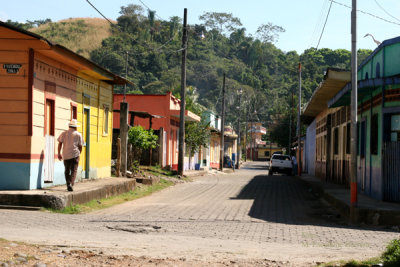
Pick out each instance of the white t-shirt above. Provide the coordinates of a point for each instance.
(71, 141)
(294, 160)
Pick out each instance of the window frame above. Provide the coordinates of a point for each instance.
(49, 97)
(74, 111)
(106, 117)
(374, 134)
(336, 141)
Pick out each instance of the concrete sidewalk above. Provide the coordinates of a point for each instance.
(368, 210)
(57, 197)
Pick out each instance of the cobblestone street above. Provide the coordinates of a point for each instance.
(243, 215)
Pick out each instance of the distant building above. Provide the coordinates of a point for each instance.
(230, 143)
(211, 155)
(255, 144)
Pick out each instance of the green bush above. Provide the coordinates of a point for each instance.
(141, 139)
(391, 256)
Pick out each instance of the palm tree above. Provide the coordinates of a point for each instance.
(151, 15)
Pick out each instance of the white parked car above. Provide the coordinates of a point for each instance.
(280, 163)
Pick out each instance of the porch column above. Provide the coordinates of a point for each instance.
(123, 131)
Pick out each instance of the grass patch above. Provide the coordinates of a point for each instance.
(390, 258)
(138, 192)
(81, 35)
(157, 171)
(352, 263)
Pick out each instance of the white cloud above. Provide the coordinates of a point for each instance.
(3, 16)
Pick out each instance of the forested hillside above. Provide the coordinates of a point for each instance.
(266, 75)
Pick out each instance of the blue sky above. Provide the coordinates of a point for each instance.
(302, 20)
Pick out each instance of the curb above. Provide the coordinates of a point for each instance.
(60, 201)
(363, 215)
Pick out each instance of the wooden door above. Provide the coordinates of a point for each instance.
(85, 155)
(49, 141)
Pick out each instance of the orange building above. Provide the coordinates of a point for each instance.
(168, 107)
(43, 85)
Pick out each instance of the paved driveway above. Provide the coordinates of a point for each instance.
(246, 215)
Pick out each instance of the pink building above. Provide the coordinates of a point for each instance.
(168, 107)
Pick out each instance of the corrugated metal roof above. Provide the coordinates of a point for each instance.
(334, 81)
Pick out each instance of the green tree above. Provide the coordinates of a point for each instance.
(133, 11)
(269, 32)
(131, 19)
(197, 135)
(279, 129)
(151, 16)
(174, 23)
(141, 140)
(362, 54)
(24, 26)
(253, 63)
(222, 22)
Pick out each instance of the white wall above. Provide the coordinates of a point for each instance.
(309, 163)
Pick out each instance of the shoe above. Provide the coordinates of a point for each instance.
(70, 188)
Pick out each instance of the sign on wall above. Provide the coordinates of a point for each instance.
(12, 68)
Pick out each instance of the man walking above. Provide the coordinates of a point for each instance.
(71, 143)
(294, 164)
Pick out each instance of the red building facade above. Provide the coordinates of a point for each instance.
(168, 107)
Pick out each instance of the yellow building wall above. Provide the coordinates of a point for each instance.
(96, 96)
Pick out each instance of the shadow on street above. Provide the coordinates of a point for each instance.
(285, 199)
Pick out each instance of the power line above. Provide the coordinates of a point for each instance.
(150, 9)
(318, 23)
(98, 11)
(326, 20)
(387, 13)
(366, 13)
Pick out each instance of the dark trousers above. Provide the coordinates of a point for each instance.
(71, 166)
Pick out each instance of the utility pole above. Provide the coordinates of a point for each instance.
(123, 132)
(270, 149)
(252, 139)
(299, 124)
(221, 152)
(126, 74)
(181, 152)
(246, 130)
(290, 122)
(353, 146)
(239, 149)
